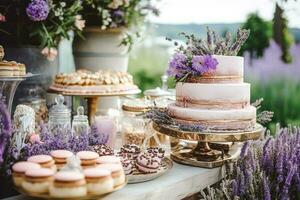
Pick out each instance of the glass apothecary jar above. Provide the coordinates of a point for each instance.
(80, 122)
(59, 115)
(133, 130)
(38, 104)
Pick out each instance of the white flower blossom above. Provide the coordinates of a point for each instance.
(79, 22)
(115, 4)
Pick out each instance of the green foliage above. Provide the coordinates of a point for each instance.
(281, 34)
(261, 33)
(129, 14)
(19, 29)
(280, 96)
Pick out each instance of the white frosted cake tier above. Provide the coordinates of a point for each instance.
(230, 69)
(229, 65)
(215, 119)
(212, 96)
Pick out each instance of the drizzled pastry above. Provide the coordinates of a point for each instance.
(128, 165)
(103, 150)
(147, 163)
(158, 153)
(130, 150)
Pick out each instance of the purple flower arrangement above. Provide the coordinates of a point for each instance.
(42, 23)
(38, 10)
(195, 58)
(268, 169)
(181, 67)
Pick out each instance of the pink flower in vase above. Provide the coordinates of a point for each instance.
(2, 18)
(35, 138)
(50, 53)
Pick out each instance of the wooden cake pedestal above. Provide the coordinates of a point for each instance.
(207, 149)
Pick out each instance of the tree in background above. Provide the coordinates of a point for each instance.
(281, 33)
(260, 35)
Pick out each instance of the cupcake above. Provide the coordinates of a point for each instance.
(60, 157)
(117, 173)
(37, 180)
(68, 184)
(147, 163)
(45, 161)
(103, 150)
(108, 160)
(99, 181)
(19, 169)
(88, 158)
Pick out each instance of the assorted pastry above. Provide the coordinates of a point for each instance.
(84, 81)
(10, 68)
(142, 162)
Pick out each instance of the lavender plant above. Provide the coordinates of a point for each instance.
(265, 116)
(268, 169)
(161, 116)
(195, 57)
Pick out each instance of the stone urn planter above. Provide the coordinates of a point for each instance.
(101, 50)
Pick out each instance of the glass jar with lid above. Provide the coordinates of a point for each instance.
(37, 103)
(59, 115)
(134, 125)
(80, 123)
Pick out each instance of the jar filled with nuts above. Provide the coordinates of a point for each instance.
(133, 130)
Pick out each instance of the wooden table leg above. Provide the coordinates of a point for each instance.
(92, 108)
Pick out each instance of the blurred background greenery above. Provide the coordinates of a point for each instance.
(272, 61)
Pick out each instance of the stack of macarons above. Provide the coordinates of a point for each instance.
(38, 175)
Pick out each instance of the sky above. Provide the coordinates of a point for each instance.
(222, 11)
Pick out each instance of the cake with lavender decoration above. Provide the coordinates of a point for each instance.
(210, 88)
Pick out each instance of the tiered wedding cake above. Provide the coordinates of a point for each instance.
(210, 91)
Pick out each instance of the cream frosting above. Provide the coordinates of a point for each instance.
(229, 66)
(247, 113)
(223, 96)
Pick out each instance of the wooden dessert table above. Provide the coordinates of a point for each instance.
(180, 182)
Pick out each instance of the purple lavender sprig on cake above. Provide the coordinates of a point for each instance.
(197, 57)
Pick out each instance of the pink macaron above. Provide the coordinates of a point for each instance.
(45, 161)
(60, 157)
(23, 166)
(68, 176)
(96, 173)
(38, 173)
(88, 158)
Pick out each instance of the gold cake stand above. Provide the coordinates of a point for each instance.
(208, 149)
